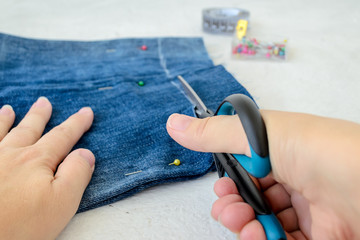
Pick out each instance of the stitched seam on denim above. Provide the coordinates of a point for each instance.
(145, 183)
(135, 190)
(162, 59)
(149, 179)
(114, 79)
(2, 56)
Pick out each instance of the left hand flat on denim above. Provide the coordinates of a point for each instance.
(128, 133)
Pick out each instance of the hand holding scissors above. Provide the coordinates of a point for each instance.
(237, 166)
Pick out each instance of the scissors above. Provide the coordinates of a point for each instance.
(238, 166)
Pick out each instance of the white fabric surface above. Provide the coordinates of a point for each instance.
(321, 77)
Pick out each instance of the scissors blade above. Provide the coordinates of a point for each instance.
(194, 98)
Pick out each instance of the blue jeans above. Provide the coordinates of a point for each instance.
(128, 133)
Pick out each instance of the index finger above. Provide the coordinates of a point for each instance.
(58, 142)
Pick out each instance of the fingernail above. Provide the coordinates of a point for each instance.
(179, 122)
(88, 155)
(6, 110)
(85, 110)
(41, 102)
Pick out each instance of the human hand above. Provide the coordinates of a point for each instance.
(315, 164)
(41, 184)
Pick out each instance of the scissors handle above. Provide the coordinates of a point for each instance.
(258, 165)
(231, 168)
(246, 187)
(237, 166)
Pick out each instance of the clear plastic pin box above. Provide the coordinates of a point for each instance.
(257, 48)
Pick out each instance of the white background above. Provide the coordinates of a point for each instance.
(321, 77)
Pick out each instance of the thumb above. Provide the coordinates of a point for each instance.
(73, 176)
(212, 134)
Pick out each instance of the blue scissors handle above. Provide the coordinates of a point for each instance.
(237, 166)
(258, 165)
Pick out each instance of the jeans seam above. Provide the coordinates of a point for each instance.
(162, 59)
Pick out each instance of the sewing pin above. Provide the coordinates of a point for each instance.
(176, 162)
(127, 174)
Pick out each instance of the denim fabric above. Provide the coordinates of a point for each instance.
(128, 133)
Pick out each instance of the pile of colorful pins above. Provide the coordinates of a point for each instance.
(253, 48)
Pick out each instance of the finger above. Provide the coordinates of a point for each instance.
(60, 140)
(266, 182)
(7, 117)
(252, 230)
(225, 186)
(220, 204)
(72, 177)
(236, 215)
(288, 219)
(278, 198)
(213, 134)
(30, 129)
(298, 235)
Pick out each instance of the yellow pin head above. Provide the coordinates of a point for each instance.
(176, 162)
(241, 28)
